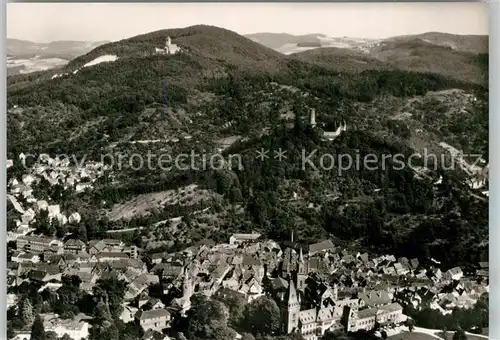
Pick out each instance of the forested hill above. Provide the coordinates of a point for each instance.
(476, 44)
(414, 54)
(222, 85)
(208, 42)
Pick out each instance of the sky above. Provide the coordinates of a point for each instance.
(44, 22)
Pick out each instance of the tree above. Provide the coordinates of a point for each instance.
(51, 335)
(111, 291)
(236, 195)
(459, 335)
(27, 311)
(181, 336)
(37, 330)
(110, 333)
(445, 330)
(82, 233)
(10, 330)
(132, 330)
(262, 316)
(236, 305)
(69, 295)
(338, 335)
(218, 330)
(207, 320)
(61, 231)
(411, 324)
(292, 336)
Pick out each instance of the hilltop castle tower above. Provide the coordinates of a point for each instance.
(169, 48)
(312, 118)
(291, 309)
(327, 135)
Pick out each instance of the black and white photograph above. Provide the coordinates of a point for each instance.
(247, 171)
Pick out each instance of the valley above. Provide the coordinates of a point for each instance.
(26, 57)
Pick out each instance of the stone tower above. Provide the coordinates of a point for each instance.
(168, 46)
(312, 118)
(335, 295)
(187, 286)
(291, 309)
(301, 272)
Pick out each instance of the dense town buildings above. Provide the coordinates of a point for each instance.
(318, 290)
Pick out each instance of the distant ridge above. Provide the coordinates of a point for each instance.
(277, 40)
(465, 43)
(462, 57)
(342, 59)
(65, 49)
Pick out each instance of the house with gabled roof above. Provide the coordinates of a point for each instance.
(155, 319)
(152, 303)
(323, 246)
(374, 298)
(367, 319)
(400, 269)
(225, 292)
(74, 246)
(414, 263)
(232, 282)
(97, 246)
(170, 271)
(77, 328)
(128, 313)
(37, 244)
(243, 238)
(220, 272)
(25, 257)
(111, 256)
(453, 274)
(38, 275)
(158, 257)
(364, 257)
(65, 260)
(252, 289)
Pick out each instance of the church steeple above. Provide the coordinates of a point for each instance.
(302, 272)
(291, 296)
(187, 285)
(291, 309)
